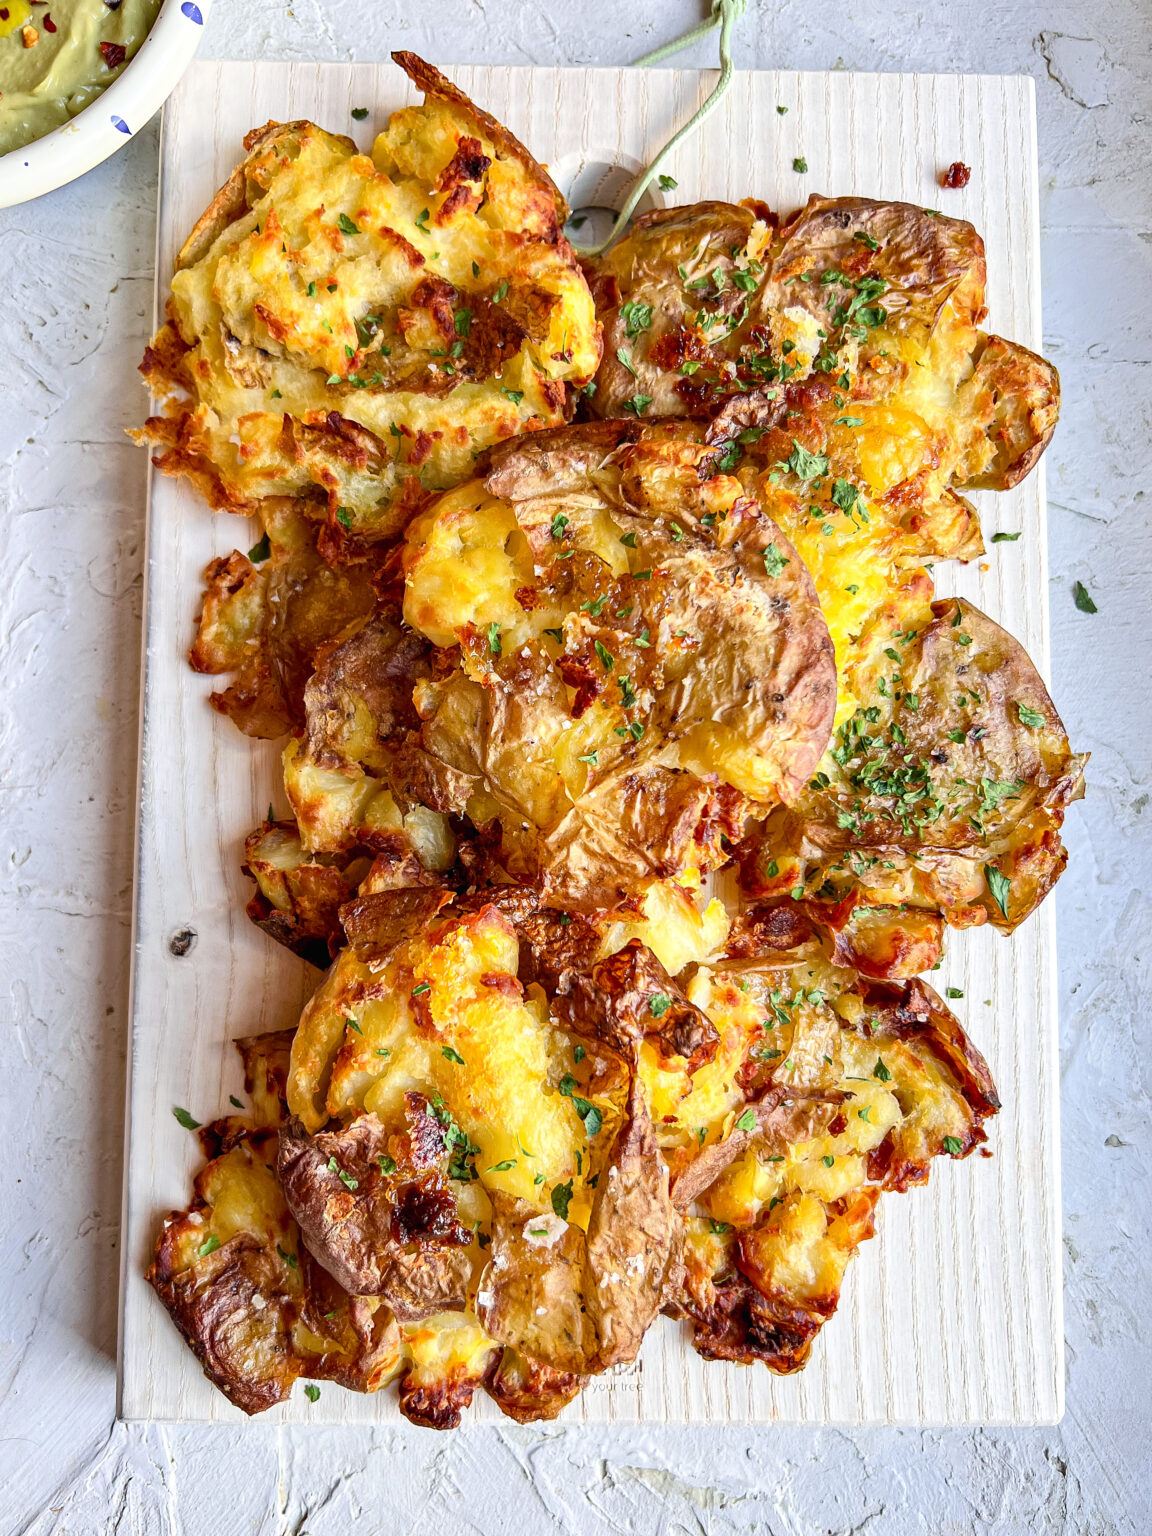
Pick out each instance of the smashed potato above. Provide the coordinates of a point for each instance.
(350, 330)
(634, 656)
(840, 360)
(942, 795)
(852, 1088)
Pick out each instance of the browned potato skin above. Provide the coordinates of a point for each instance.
(254, 1352)
(240, 1307)
(393, 1235)
(245, 1352)
(939, 868)
(527, 1391)
(298, 904)
(266, 622)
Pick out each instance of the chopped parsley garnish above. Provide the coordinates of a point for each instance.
(289, 1258)
(637, 404)
(562, 1199)
(347, 227)
(954, 991)
(625, 361)
(806, 466)
(501, 292)
(359, 113)
(659, 1004)
(667, 183)
(881, 1071)
(344, 516)
(1083, 598)
(185, 1119)
(591, 758)
(462, 320)
(591, 1116)
(494, 638)
(342, 1174)
(953, 1146)
(420, 988)
(1005, 538)
(509, 1162)
(312, 1392)
(637, 317)
(800, 165)
(387, 1164)
(450, 1055)
(828, 1160)
(260, 551)
(209, 1245)
(1030, 717)
(421, 220)
(1000, 886)
(774, 561)
(515, 395)
(607, 660)
(747, 1121)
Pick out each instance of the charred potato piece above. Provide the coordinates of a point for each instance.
(298, 896)
(348, 329)
(944, 793)
(768, 1242)
(218, 1272)
(264, 617)
(358, 777)
(243, 1293)
(632, 656)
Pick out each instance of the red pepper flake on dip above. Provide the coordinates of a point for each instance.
(52, 68)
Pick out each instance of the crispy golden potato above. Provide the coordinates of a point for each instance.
(265, 615)
(851, 1088)
(841, 361)
(941, 797)
(350, 329)
(630, 656)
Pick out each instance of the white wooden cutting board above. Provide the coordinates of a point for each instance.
(953, 1314)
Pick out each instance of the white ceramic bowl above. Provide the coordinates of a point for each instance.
(106, 124)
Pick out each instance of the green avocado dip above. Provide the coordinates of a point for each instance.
(58, 55)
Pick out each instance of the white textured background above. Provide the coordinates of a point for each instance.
(73, 320)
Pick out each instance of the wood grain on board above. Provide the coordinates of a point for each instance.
(953, 1313)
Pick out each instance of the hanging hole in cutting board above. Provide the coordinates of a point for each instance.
(595, 183)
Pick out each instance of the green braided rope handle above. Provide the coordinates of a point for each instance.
(725, 15)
